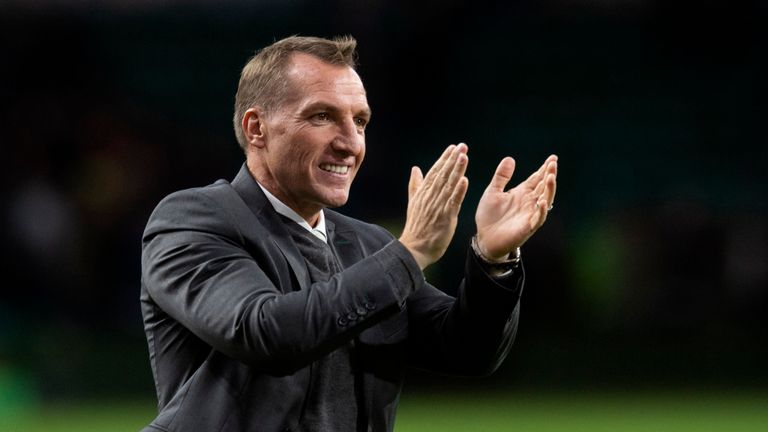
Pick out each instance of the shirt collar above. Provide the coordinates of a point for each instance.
(318, 231)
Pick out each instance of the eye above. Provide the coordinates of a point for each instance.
(322, 116)
(361, 122)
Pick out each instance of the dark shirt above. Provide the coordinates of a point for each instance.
(332, 403)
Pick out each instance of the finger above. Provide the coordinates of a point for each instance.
(457, 197)
(417, 178)
(536, 177)
(440, 162)
(459, 152)
(546, 187)
(503, 175)
(543, 201)
(552, 165)
(550, 189)
(538, 191)
(533, 180)
(459, 168)
(539, 215)
(446, 191)
(444, 177)
(457, 157)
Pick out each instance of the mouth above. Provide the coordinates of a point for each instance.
(336, 169)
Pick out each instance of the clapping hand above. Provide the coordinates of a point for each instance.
(506, 219)
(434, 202)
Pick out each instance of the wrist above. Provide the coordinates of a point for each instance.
(421, 259)
(511, 258)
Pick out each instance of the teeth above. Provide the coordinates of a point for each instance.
(338, 169)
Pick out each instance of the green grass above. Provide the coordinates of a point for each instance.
(538, 412)
(91, 416)
(587, 412)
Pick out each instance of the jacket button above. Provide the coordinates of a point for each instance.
(351, 316)
(342, 321)
(370, 305)
(361, 311)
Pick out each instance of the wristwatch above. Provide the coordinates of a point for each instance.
(497, 268)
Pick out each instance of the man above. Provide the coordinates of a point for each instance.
(264, 311)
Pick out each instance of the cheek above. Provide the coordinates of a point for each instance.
(298, 156)
(311, 146)
(362, 156)
(290, 168)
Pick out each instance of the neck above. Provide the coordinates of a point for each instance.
(310, 213)
(311, 220)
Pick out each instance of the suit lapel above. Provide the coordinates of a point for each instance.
(257, 202)
(345, 243)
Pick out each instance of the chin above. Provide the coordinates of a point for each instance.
(336, 201)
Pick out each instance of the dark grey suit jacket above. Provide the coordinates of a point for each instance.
(233, 323)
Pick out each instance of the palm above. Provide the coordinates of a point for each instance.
(506, 219)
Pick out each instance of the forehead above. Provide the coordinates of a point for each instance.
(312, 78)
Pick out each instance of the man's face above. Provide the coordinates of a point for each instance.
(315, 142)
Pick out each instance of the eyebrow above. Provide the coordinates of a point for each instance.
(366, 112)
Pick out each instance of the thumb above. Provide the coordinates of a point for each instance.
(416, 179)
(502, 175)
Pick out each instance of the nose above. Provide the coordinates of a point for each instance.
(350, 139)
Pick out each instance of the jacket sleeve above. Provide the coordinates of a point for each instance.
(197, 270)
(470, 334)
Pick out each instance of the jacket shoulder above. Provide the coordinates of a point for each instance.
(197, 208)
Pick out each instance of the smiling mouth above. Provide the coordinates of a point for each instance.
(337, 169)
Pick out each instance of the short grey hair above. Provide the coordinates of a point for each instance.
(262, 80)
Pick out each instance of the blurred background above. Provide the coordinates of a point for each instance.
(647, 290)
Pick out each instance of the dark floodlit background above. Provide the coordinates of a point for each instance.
(647, 290)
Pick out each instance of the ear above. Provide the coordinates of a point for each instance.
(253, 127)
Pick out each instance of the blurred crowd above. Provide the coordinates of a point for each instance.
(655, 263)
